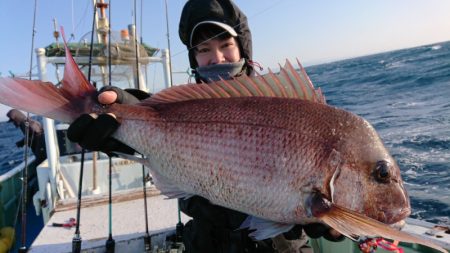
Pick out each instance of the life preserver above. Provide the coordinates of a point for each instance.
(6, 239)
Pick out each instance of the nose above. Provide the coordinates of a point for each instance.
(217, 57)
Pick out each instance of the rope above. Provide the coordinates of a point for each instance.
(370, 245)
(82, 19)
(390, 246)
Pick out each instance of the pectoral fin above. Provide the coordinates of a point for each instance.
(354, 225)
(264, 228)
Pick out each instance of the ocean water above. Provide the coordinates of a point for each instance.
(10, 155)
(405, 94)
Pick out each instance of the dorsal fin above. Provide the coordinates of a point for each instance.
(288, 83)
(74, 82)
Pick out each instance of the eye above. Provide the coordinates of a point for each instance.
(202, 50)
(382, 173)
(227, 44)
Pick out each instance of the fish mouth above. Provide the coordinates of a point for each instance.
(398, 225)
(393, 217)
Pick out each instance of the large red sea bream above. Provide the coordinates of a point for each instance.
(268, 146)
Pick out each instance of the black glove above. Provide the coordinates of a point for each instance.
(317, 230)
(141, 95)
(314, 231)
(294, 234)
(127, 96)
(95, 134)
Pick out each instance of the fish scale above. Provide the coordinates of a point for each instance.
(233, 153)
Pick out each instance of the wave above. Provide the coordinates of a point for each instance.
(436, 47)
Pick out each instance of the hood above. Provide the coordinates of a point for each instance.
(16, 116)
(224, 11)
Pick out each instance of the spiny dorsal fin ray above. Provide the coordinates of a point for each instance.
(288, 83)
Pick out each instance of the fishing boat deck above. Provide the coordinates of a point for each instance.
(128, 223)
(435, 233)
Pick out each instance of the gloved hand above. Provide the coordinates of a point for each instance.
(94, 133)
(317, 230)
(201, 209)
(314, 231)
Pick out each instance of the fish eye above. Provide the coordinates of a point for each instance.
(382, 173)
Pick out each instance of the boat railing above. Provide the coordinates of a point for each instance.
(58, 176)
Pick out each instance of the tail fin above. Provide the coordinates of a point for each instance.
(66, 103)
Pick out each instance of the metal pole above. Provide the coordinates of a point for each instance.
(49, 126)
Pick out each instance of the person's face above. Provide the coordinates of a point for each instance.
(217, 51)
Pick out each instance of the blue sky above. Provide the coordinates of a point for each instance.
(313, 31)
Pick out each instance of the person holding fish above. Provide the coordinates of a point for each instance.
(219, 44)
(36, 134)
(268, 146)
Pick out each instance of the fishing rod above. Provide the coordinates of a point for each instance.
(110, 243)
(168, 44)
(23, 247)
(179, 226)
(147, 239)
(76, 241)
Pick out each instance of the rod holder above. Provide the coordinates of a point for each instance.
(148, 243)
(76, 244)
(110, 245)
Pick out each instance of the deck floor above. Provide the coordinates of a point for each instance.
(128, 224)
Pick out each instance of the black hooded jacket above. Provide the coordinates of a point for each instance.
(224, 11)
(214, 228)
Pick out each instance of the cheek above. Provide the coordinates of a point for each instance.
(232, 55)
(201, 59)
(350, 190)
(350, 195)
